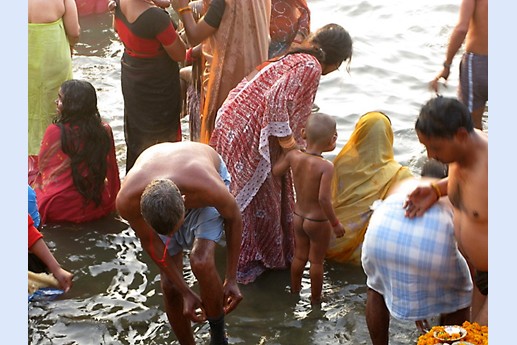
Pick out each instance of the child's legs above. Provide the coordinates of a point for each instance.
(301, 253)
(319, 235)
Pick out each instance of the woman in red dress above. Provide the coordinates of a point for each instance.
(261, 117)
(77, 178)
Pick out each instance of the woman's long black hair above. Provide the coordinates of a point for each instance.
(84, 138)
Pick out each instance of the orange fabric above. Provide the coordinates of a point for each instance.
(236, 48)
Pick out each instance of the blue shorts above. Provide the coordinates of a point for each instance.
(204, 223)
(473, 90)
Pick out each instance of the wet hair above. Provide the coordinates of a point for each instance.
(162, 205)
(320, 128)
(434, 168)
(441, 117)
(330, 44)
(84, 138)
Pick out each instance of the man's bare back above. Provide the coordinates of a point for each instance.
(477, 35)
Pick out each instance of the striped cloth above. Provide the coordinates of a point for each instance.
(415, 263)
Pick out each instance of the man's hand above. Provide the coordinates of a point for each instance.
(444, 74)
(192, 307)
(232, 296)
(419, 200)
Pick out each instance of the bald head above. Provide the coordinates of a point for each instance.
(320, 128)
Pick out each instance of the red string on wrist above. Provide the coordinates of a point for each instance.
(335, 224)
(161, 262)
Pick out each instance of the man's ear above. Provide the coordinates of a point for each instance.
(461, 134)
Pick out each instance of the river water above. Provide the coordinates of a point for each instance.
(399, 46)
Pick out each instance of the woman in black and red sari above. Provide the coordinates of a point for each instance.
(149, 74)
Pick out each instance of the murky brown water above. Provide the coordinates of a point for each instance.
(116, 297)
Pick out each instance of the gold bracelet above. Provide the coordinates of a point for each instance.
(184, 9)
(436, 189)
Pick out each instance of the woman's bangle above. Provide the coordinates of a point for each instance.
(336, 223)
(287, 143)
(184, 9)
(436, 189)
(188, 56)
(447, 65)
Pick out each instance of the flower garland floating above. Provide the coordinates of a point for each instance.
(476, 334)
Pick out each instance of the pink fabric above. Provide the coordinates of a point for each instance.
(275, 103)
(87, 7)
(58, 199)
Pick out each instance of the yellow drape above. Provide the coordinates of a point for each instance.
(364, 170)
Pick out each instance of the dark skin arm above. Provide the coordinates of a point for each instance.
(197, 32)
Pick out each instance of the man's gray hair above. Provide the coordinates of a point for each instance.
(162, 205)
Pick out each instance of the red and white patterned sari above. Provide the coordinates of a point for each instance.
(275, 103)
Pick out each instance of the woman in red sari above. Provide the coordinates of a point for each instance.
(261, 117)
(78, 178)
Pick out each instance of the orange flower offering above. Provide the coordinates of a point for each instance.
(476, 334)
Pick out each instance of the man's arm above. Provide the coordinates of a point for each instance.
(229, 210)
(456, 40)
(460, 30)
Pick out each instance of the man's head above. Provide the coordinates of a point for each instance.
(442, 117)
(321, 130)
(442, 126)
(162, 206)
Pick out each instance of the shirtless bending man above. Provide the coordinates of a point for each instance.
(446, 129)
(472, 28)
(177, 194)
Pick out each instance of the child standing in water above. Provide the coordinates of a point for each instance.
(314, 215)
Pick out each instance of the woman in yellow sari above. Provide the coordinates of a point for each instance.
(364, 171)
